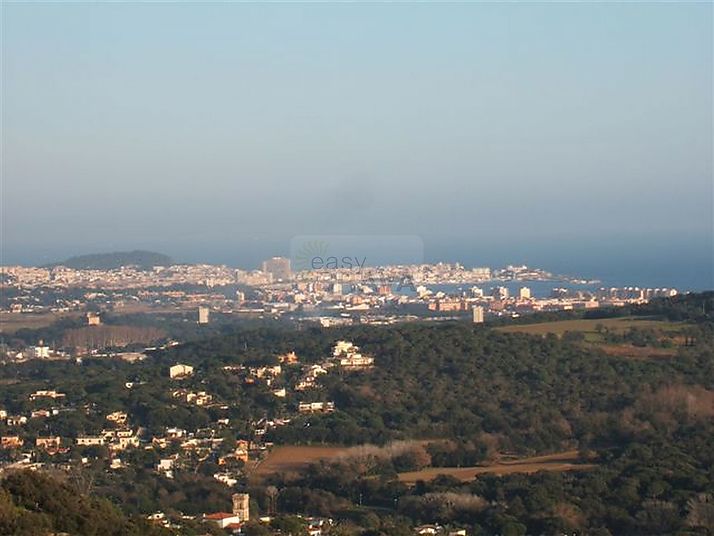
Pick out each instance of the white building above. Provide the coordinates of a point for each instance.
(90, 440)
(203, 315)
(356, 361)
(316, 407)
(223, 519)
(343, 347)
(41, 351)
(478, 314)
(180, 371)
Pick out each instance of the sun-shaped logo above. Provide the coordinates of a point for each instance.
(307, 252)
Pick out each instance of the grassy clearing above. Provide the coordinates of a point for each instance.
(637, 352)
(11, 322)
(589, 326)
(616, 336)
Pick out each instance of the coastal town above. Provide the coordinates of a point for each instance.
(382, 294)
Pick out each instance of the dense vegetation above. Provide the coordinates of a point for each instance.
(33, 503)
(648, 425)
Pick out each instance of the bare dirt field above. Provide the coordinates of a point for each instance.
(293, 459)
(11, 322)
(563, 461)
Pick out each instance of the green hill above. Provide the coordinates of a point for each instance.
(108, 261)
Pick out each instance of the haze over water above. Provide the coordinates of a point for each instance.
(573, 137)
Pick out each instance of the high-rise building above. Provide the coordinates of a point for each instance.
(524, 293)
(500, 293)
(203, 314)
(278, 267)
(483, 273)
(478, 314)
(241, 506)
(477, 292)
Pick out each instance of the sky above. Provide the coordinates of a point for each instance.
(575, 134)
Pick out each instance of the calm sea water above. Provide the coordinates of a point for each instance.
(685, 263)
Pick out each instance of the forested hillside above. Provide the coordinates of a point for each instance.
(33, 503)
(460, 395)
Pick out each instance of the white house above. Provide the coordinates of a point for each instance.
(180, 371)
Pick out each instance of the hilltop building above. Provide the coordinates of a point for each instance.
(349, 357)
(41, 351)
(180, 371)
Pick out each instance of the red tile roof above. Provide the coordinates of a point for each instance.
(219, 515)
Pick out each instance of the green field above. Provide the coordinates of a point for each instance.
(590, 326)
(614, 336)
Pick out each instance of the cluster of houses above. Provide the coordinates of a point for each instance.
(348, 357)
(345, 356)
(116, 439)
(198, 398)
(178, 449)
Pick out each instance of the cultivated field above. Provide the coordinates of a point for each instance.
(293, 459)
(563, 461)
(11, 322)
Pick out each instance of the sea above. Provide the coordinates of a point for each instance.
(684, 262)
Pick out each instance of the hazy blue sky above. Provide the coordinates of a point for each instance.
(199, 130)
